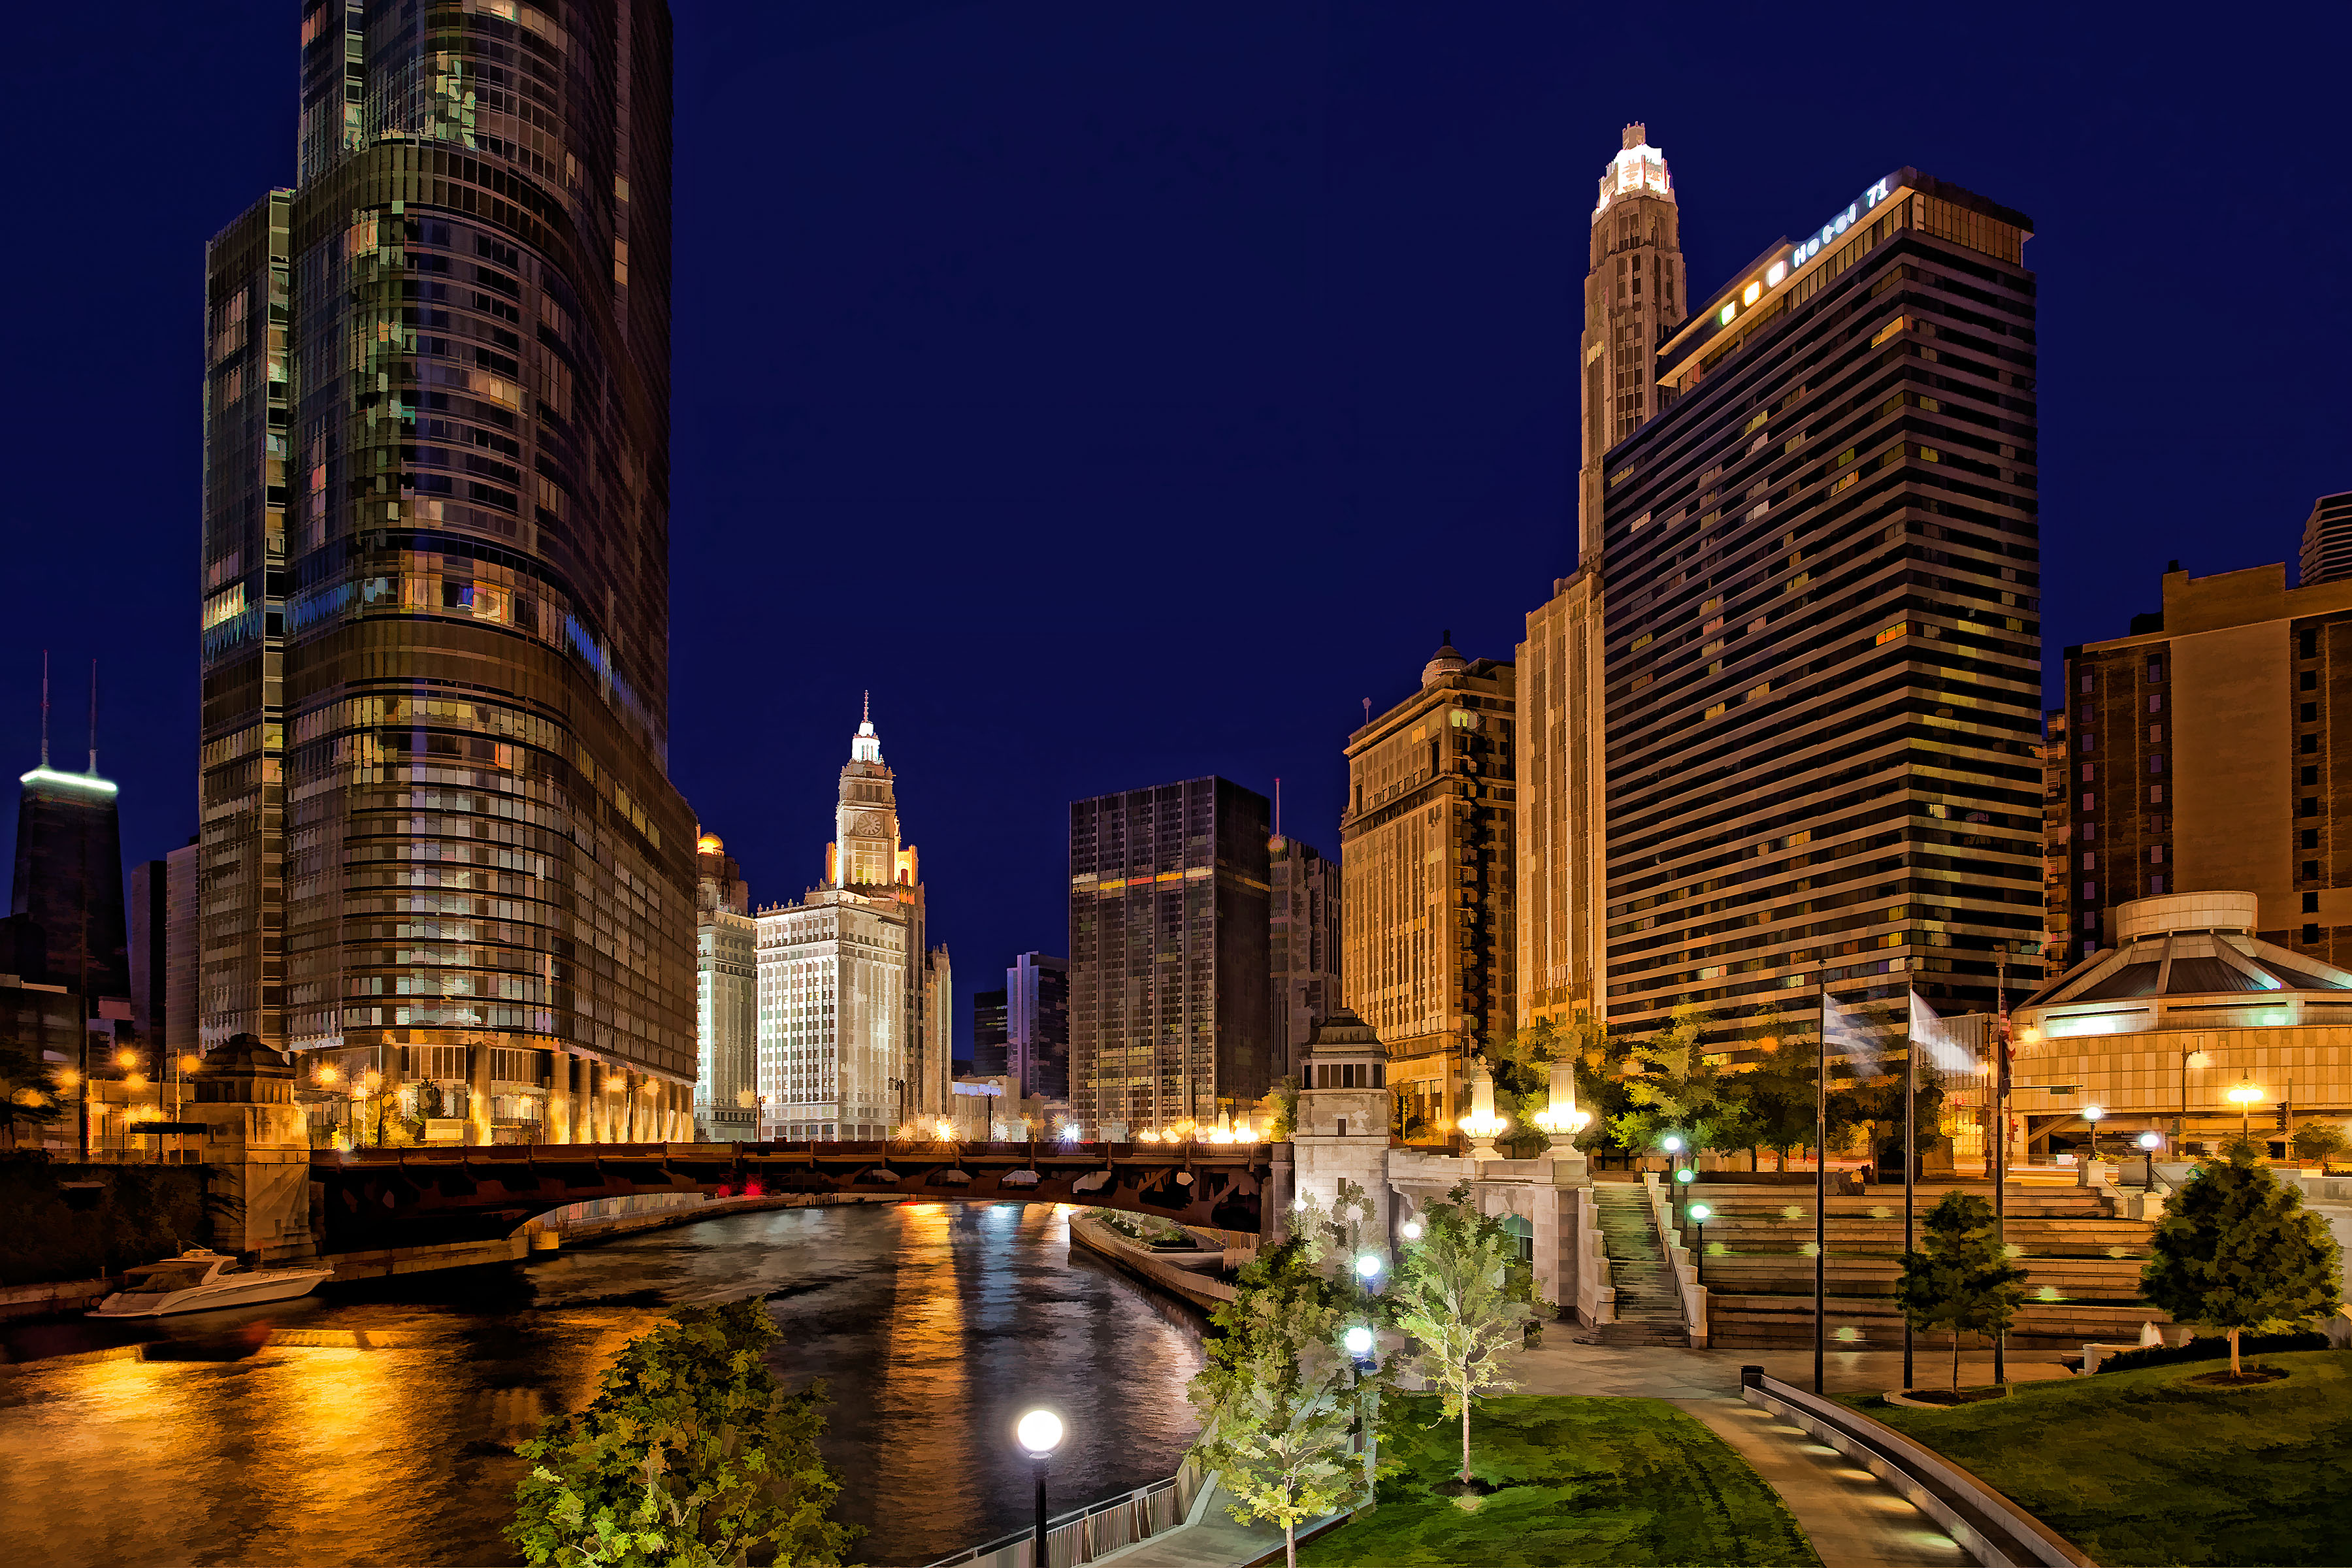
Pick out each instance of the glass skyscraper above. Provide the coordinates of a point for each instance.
(438, 838)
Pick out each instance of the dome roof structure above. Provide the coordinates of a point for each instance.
(1444, 661)
(2189, 960)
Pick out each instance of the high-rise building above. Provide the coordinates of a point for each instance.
(1633, 292)
(1303, 946)
(1169, 995)
(68, 948)
(1823, 643)
(183, 951)
(2327, 542)
(990, 1026)
(727, 959)
(854, 1012)
(439, 838)
(1037, 1025)
(2205, 757)
(150, 967)
(1429, 934)
(2057, 843)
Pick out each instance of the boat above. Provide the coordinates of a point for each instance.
(201, 1280)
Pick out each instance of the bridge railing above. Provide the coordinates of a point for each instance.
(1096, 1531)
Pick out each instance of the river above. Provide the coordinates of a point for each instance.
(375, 1429)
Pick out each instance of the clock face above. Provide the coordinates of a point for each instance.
(871, 825)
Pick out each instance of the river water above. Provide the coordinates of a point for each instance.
(344, 1431)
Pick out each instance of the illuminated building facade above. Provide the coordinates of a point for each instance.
(1428, 932)
(439, 841)
(725, 946)
(989, 1052)
(853, 1011)
(1633, 292)
(1303, 946)
(2207, 754)
(1822, 665)
(1170, 1004)
(2327, 542)
(1037, 1025)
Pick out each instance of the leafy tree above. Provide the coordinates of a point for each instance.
(1280, 1430)
(2318, 1141)
(28, 1100)
(1879, 1104)
(1671, 1087)
(2237, 1250)
(1463, 1294)
(1521, 1062)
(691, 1455)
(1964, 1280)
(1777, 1097)
(1282, 1103)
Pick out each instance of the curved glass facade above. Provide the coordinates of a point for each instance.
(439, 840)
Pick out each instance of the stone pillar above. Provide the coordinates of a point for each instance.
(598, 1120)
(557, 1129)
(1274, 1199)
(478, 1094)
(258, 1149)
(576, 1090)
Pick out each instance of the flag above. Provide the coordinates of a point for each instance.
(1931, 1037)
(1850, 1034)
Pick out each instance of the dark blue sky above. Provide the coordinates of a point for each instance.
(1122, 392)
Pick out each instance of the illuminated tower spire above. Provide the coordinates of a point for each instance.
(1633, 291)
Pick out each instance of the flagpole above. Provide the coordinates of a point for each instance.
(2000, 1135)
(1821, 1190)
(1910, 1150)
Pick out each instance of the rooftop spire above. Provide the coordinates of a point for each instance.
(867, 746)
(93, 718)
(45, 708)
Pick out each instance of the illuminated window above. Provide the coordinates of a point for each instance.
(1730, 308)
(1753, 292)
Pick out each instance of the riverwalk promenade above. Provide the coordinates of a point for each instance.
(1853, 1518)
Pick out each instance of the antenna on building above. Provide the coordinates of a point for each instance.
(45, 708)
(93, 718)
(865, 712)
(1278, 806)
(1368, 709)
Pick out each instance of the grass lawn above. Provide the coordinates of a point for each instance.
(1620, 1481)
(2146, 1467)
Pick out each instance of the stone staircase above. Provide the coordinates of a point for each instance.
(2083, 1266)
(1649, 1305)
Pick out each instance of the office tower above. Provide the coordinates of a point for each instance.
(726, 947)
(1037, 1025)
(1823, 646)
(2057, 843)
(151, 968)
(1303, 947)
(1633, 292)
(1428, 927)
(853, 1013)
(2327, 542)
(439, 840)
(66, 895)
(990, 1026)
(1169, 997)
(2205, 758)
(182, 953)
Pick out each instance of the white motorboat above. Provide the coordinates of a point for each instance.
(201, 1280)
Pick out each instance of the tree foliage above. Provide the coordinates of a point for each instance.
(1672, 1087)
(1520, 1063)
(1464, 1295)
(1964, 1281)
(2318, 1141)
(691, 1455)
(30, 1100)
(2237, 1250)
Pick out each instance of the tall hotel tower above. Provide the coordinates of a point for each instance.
(1171, 990)
(1822, 663)
(439, 840)
(1633, 298)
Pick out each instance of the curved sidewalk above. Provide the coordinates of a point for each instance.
(1853, 1518)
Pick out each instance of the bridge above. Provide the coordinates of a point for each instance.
(369, 1198)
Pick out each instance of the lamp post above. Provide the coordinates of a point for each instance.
(1673, 1145)
(1358, 1340)
(1699, 1216)
(2200, 1061)
(1039, 1432)
(2091, 1115)
(2246, 1096)
(2148, 1143)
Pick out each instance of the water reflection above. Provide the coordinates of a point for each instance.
(270, 1434)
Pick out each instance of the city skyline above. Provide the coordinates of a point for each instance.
(1515, 124)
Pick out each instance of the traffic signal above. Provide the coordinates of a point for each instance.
(2281, 1115)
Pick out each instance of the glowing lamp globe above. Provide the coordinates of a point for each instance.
(2151, 1140)
(1672, 1143)
(1039, 1432)
(1410, 1230)
(1686, 1174)
(1360, 1341)
(1699, 1212)
(1368, 1266)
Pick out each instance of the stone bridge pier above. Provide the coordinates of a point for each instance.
(1342, 1134)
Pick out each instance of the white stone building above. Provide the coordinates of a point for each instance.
(726, 1087)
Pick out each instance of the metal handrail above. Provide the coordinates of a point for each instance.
(1069, 1541)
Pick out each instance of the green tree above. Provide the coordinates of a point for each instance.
(1463, 1293)
(1279, 1429)
(691, 1455)
(1521, 1062)
(1282, 1104)
(30, 1100)
(2318, 1141)
(1776, 1097)
(1672, 1087)
(1879, 1104)
(2236, 1250)
(1964, 1280)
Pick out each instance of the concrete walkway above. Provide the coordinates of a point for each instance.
(1213, 1540)
(1853, 1518)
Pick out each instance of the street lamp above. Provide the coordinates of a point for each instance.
(1699, 1213)
(2091, 1114)
(2148, 1143)
(1409, 1230)
(2246, 1096)
(2200, 1061)
(1039, 1432)
(1358, 1341)
(1683, 1179)
(1368, 1267)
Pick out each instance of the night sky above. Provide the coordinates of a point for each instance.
(1123, 391)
